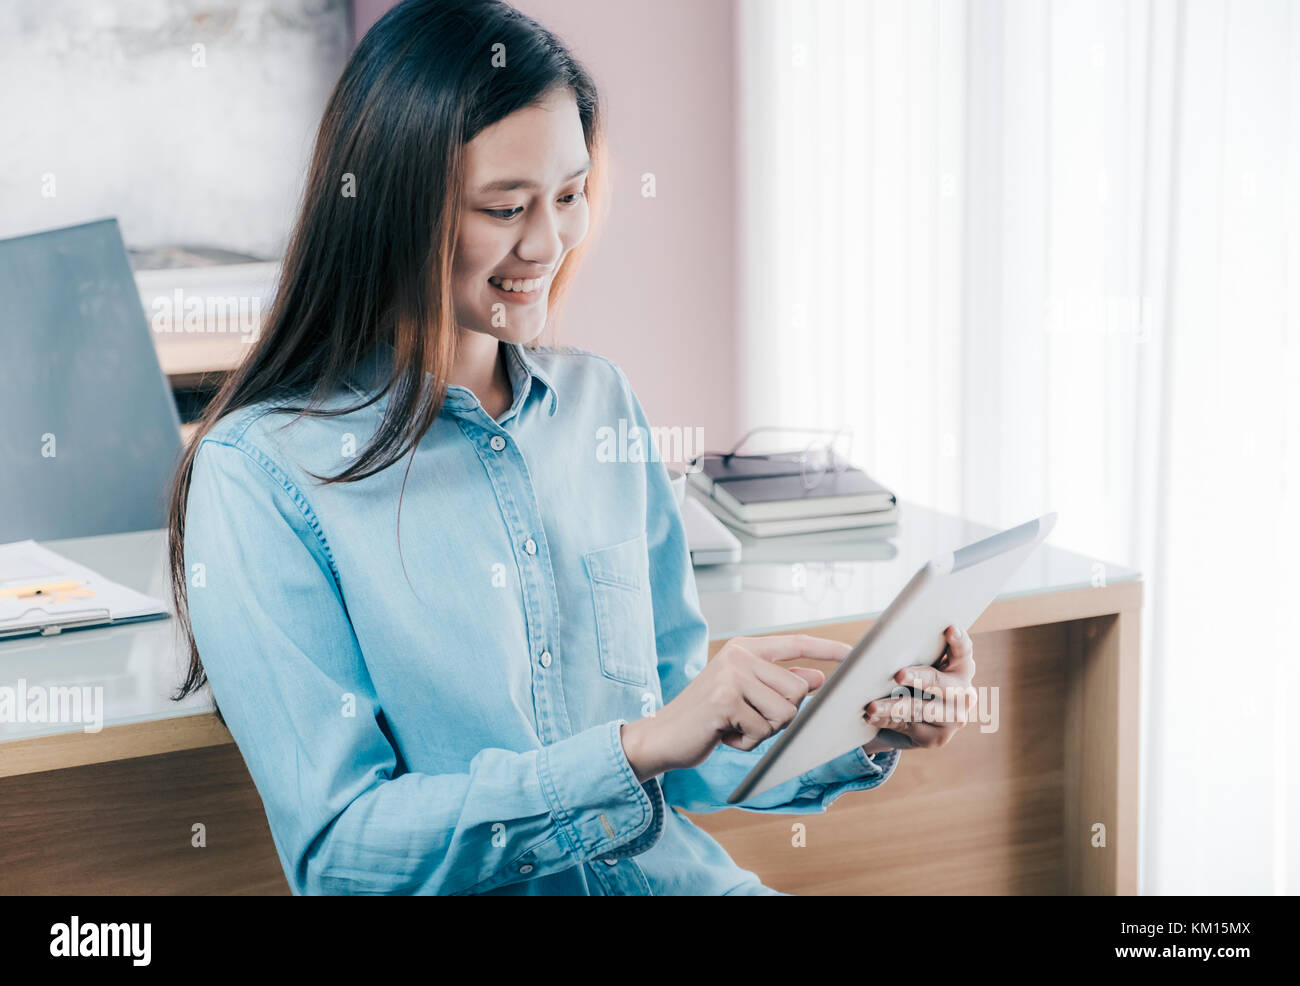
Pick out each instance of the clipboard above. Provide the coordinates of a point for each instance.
(951, 589)
(42, 593)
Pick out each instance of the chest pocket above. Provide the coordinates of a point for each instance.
(620, 593)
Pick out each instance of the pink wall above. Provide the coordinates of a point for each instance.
(366, 12)
(657, 294)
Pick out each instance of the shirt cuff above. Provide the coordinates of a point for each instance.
(856, 770)
(597, 803)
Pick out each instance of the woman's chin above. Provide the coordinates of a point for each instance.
(521, 330)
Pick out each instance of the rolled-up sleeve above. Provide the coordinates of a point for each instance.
(289, 677)
(682, 642)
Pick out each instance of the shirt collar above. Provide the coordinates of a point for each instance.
(524, 368)
(522, 365)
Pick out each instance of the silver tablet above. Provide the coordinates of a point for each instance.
(952, 589)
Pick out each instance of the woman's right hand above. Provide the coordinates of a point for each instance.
(741, 698)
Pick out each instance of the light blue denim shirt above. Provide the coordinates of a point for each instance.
(446, 720)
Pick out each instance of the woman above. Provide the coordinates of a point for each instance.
(483, 669)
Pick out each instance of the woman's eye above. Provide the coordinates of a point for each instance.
(508, 214)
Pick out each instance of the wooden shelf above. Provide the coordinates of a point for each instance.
(191, 360)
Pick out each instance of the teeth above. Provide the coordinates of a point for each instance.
(517, 285)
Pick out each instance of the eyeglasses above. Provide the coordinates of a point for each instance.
(828, 453)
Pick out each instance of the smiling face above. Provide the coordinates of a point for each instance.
(525, 208)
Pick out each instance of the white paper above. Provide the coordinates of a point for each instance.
(24, 563)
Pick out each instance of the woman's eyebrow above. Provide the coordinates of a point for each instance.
(510, 184)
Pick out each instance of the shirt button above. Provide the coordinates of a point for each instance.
(497, 443)
(530, 546)
(609, 861)
(546, 659)
(526, 868)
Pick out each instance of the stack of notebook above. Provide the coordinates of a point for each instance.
(768, 496)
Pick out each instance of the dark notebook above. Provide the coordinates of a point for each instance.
(773, 488)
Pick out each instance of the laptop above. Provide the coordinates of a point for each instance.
(89, 433)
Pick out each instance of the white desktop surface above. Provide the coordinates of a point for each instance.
(753, 598)
(139, 666)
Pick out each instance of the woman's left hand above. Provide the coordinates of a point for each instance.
(926, 723)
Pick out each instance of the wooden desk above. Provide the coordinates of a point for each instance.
(1003, 812)
(1008, 811)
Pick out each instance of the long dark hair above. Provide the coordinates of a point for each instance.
(376, 267)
